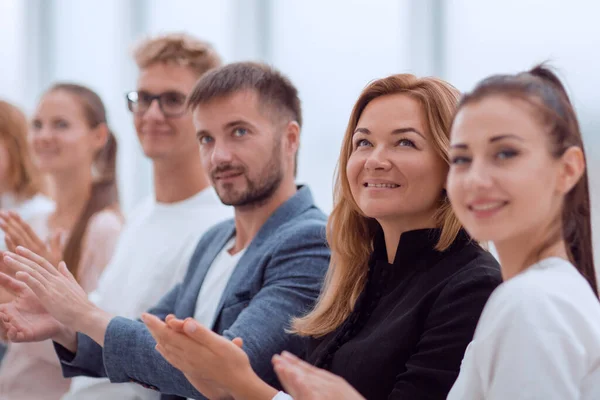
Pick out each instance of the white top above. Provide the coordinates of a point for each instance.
(538, 338)
(34, 211)
(214, 284)
(152, 256)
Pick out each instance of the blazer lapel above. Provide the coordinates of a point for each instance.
(189, 300)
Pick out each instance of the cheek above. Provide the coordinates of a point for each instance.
(354, 167)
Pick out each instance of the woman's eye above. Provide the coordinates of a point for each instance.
(362, 143)
(406, 143)
(506, 154)
(61, 124)
(459, 160)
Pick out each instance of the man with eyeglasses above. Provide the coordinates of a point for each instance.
(161, 234)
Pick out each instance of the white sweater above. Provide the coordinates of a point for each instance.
(538, 338)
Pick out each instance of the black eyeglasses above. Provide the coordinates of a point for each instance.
(172, 104)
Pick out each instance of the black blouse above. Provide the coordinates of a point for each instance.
(407, 335)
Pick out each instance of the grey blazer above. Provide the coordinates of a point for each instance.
(278, 277)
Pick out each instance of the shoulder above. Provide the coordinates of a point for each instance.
(306, 229)
(105, 222)
(474, 266)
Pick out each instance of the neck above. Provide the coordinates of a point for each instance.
(70, 192)
(178, 180)
(249, 220)
(515, 254)
(394, 228)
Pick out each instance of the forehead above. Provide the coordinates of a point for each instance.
(162, 77)
(392, 111)
(242, 105)
(59, 102)
(493, 116)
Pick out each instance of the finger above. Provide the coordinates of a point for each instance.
(37, 260)
(239, 342)
(16, 230)
(171, 358)
(64, 270)
(175, 323)
(20, 264)
(154, 325)
(200, 334)
(291, 379)
(28, 231)
(11, 284)
(39, 289)
(298, 363)
(10, 244)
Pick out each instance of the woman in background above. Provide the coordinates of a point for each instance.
(20, 182)
(72, 144)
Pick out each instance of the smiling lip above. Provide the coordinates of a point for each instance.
(380, 184)
(486, 208)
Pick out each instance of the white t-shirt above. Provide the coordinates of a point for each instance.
(214, 284)
(152, 256)
(538, 338)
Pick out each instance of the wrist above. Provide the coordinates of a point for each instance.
(251, 387)
(67, 338)
(93, 322)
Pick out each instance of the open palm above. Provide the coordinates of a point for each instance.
(25, 318)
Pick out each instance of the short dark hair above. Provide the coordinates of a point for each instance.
(273, 88)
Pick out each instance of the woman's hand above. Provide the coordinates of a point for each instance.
(303, 381)
(19, 233)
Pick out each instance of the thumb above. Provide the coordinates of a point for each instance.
(64, 270)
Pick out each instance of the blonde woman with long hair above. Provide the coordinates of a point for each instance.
(406, 284)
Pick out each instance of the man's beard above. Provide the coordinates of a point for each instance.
(258, 191)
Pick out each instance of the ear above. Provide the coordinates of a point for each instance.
(99, 136)
(571, 169)
(292, 136)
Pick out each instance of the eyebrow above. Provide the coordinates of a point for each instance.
(492, 140)
(394, 132)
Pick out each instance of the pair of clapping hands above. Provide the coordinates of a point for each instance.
(217, 366)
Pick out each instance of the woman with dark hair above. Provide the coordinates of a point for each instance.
(73, 146)
(406, 284)
(518, 179)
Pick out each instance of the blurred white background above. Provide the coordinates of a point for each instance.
(329, 48)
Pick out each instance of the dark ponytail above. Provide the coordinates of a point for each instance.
(544, 91)
(104, 192)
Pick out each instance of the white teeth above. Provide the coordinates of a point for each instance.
(383, 185)
(486, 207)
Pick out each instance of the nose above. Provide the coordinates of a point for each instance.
(478, 176)
(154, 112)
(43, 134)
(221, 153)
(378, 160)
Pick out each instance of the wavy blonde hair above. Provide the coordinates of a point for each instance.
(349, 232)
(177, 48)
